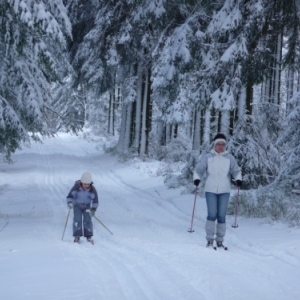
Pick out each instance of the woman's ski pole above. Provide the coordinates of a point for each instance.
(66, 224)
(235, 225)
(192, 221)
(103, 225)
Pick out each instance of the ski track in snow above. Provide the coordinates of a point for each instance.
(150, 255)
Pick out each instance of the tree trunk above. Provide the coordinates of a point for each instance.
(197, 128)
(225, 122)
(206, 136)
(111, 112)
(144, 117)
(128, 127)
(277, 74)
(121, 144)
(138, 109)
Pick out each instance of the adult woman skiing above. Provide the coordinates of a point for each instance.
(216, 168)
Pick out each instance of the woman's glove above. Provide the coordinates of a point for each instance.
(70, 205)
(197, 182)
(92, 212)
(239, 183)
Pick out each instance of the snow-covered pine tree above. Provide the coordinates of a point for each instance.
(262, 161)
(122, 33)
(72, 96)
(176, 60)
(32, 48)
(289, 177)
(238, 35)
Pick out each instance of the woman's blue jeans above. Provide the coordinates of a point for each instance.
(217, 206)
(216, 210)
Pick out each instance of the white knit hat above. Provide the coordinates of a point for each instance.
(86, 177)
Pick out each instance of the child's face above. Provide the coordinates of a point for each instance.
(86, 186)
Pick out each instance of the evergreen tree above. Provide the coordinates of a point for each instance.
(32, 44)
(289, 176)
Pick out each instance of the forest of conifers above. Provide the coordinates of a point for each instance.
(161, 76)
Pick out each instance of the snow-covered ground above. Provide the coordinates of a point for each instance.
(150, 255)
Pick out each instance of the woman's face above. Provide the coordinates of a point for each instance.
(220, 147)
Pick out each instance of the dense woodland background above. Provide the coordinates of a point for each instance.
(161, 77)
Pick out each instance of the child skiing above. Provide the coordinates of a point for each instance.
(83, 199)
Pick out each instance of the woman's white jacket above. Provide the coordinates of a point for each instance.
(217, 169)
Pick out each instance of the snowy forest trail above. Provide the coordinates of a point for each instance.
(150, 255)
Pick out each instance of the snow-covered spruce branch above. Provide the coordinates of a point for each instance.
(63, 118)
